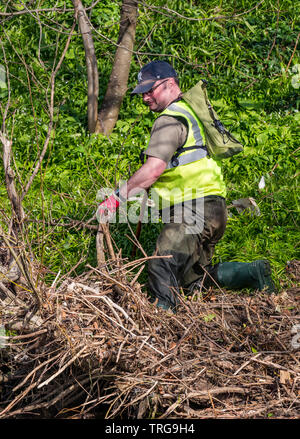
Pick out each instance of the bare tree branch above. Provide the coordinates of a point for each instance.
(171, 12)
(54, 9)
(10, 180)
(15, 194)
(51, 112)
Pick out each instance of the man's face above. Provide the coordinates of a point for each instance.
(158, 97)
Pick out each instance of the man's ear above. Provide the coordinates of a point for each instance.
(173, 83)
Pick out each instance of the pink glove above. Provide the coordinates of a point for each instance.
(106, 209)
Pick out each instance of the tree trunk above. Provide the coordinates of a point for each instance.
(10, 183)
(91, 64)
(117, 85)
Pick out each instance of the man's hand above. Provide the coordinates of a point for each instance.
(106, 209)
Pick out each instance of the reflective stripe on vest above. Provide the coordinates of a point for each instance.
(195, 124)
(190, 157)
(194, 137)
(196, 174)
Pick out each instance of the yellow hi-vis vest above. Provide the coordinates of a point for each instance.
(191, 173)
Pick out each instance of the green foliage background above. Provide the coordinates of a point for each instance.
(250, 64)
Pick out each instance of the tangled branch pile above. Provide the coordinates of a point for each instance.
(100, 348)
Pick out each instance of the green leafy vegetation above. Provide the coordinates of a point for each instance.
(249, 62)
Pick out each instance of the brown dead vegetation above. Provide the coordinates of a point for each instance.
(98, 347)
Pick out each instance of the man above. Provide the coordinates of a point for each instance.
(189, 188)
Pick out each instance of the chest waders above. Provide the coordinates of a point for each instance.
(193, 174)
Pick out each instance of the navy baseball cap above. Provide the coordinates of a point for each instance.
(152, 72)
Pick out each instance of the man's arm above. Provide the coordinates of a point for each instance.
(144, 177)
(167, 134)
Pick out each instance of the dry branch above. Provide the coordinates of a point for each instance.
(222, 355)
(10, 179)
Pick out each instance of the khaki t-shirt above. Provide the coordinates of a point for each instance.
(167, 135)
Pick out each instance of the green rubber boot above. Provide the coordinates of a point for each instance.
(236, 275)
